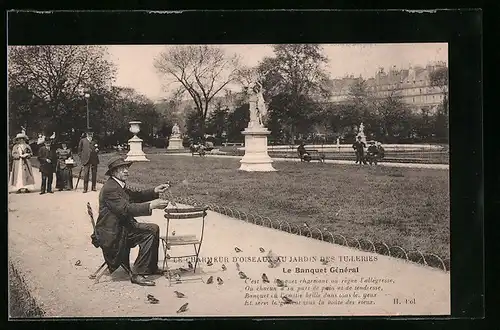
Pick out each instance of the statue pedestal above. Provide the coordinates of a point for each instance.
(175, 143)
(256, 158)
(135, 153)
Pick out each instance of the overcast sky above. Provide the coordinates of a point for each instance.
(135, 62)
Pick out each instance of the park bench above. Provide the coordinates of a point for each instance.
(200, 150)
(312, 155)
(233, 144)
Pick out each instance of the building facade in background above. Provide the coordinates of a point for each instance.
(412, 85)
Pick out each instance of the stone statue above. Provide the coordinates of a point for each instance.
(362, 129)
(257, 106)
(175, 130)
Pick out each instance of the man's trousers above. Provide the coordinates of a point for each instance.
(86, 176)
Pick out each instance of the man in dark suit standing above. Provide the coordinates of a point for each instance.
(359, 149)
(47, 158)
(116, 230)
(88, 153)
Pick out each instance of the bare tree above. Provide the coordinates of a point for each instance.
(201, 70)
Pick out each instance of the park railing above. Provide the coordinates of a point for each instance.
(329, 235)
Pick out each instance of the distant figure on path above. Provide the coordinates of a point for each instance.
(64, 172)
(359, 149)
(116, 230)
(47, 158)
(21, 175)
(88, 153)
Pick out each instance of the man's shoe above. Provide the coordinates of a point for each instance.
(141, 280)
(50, 192)
(93, 189)
(42, 192)
(84, 191)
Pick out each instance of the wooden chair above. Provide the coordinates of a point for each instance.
(102, 269)
(190, 213)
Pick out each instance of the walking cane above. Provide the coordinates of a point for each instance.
(79, 176)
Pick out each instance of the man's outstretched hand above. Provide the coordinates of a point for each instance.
(162, 188)
(158, 204)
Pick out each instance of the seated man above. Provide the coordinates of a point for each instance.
(303, 154)
(380, 150)
(372, 153)
(116, 229)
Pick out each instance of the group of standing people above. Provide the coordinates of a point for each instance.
(374, 153)
(52, 160)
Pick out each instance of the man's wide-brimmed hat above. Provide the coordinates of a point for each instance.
(116, 162)
(21, 136)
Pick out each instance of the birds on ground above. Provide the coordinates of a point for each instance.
(78, 263)
(280, 283)
(152, 299)
(262, 250)
(209, 262)
(173, 233)
(243, 276)
(190, 265)
(220, 281)
(224, 268)
(210, 280)
(287, 300)
(238, 267)
(237, 249)
(179, 294)
(264, 278)
(183, 308)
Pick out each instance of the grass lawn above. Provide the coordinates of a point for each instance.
(399, 206)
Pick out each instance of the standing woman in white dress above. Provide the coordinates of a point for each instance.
(21, 176)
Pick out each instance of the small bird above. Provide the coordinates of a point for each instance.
(168, 256)
(220, 281)
(209, 262)
(224, 268)
(238, 266)
(264, 278)
(280, 283)
(243, 275)
(179, 294)
(173, 233)
(78, 263)
(287, 300)
(152, 299)
(183, 308)
(210, 280)
(262, 250)
(237, 249)
(190, 265)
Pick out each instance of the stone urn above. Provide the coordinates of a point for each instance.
(135, 153)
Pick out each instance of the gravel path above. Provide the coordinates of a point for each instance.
(48, 234)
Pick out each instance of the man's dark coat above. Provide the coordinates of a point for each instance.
(44, 154)
(117, 208)
(87, 152)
